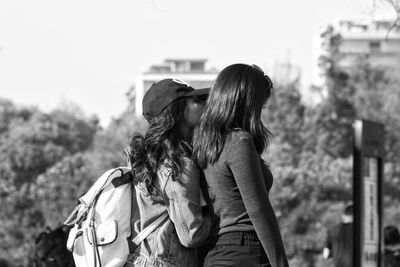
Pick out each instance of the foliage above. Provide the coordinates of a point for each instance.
(328, 126)
(284, 118)
(31, 142)
(57, 191)
(116, 138)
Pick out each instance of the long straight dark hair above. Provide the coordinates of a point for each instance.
(161, 143)
(235, 101)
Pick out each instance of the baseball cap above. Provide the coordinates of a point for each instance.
(162, 93)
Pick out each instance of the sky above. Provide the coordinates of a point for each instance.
(89, 52)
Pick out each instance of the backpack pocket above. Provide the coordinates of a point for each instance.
(74, 233)
(104, 234)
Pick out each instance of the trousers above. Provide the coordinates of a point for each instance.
(234, 249)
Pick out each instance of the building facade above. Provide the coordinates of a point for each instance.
(192, 71)
(371, 40)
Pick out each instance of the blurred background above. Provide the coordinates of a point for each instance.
(73, 74)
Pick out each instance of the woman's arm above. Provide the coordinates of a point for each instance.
(185, 209)
(245, 165)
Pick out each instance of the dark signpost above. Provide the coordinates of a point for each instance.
(368, 160)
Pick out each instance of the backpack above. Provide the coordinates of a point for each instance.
(101, 232)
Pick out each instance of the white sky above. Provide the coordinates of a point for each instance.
(90, 52)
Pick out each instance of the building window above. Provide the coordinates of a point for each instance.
(181, 66)
(374, 47)
(196, 66)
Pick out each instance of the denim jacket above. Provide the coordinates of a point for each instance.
(174, 242)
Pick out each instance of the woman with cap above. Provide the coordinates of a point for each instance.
(166, 180)
(228, 144)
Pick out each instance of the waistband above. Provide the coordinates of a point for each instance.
(238, 238)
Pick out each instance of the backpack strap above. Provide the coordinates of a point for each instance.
(123, 179)
(149, 229)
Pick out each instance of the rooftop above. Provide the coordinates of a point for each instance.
(185, 60)
(181, 65)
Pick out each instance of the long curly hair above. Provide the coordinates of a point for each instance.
(235, 102)
(162, 144)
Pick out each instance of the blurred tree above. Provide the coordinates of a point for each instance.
(57, 190)
(9, 112)
(377, 97)
(284, 117)
(110, 143)
(31, 145)
(394, 5)
(328, 125)
(302, 196)
(32, 142)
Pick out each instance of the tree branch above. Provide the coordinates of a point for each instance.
(395, 4)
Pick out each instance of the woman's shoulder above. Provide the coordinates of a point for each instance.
(237, 135)
(236, 140)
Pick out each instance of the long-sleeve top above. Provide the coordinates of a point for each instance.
(238, 186)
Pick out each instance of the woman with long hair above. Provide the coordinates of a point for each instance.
(166, 179)
(228, 144)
